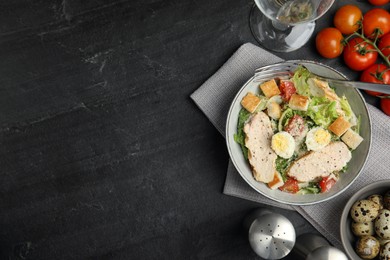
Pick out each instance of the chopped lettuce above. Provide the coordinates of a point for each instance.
(284, 118)
(243, 116)
(282, 165)
(312, 188)
(322, 111)
(300, 78)
(349, 114)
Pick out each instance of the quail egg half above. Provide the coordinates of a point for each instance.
(317, 138)
(283, 144)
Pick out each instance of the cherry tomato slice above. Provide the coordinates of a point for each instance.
(376, 73)
(290, 186)
(326, 183)
(359, 55)
(287, 88)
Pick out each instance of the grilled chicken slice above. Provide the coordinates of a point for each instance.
(322, 163)
(258, 141)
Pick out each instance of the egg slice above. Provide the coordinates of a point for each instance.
(283, 144)
(317, 138)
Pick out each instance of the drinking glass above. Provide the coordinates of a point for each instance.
(285, 25)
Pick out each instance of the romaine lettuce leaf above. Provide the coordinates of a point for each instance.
(243, 116)
(301, 75)
(322, 111)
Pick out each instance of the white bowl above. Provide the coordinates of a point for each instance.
(347, 238)
(356, 164)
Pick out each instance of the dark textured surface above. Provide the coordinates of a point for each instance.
(103, 154)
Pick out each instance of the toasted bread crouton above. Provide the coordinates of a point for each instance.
(250, 102)
(298, 102)
(339, 126)
(276, 182)
(270, 88)
(351, 138)
(274, 110)
(319, 88)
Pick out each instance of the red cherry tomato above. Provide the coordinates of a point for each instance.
(378, 2)
(376, 23)
(385, 105)
(326, 183)
(359, 55)
(287, 88)
(347, 19)
(384, 44)
(329, 42)
(290, 186)
(376, 73)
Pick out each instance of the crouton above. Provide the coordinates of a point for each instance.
(339, 126)
(250, 102)
(351, 138)
(276, 182)
(274, 110)
(299, 102)
(270, 88)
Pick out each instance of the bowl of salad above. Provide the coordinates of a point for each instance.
(297, 140)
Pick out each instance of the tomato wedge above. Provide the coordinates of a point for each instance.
(287, 88)
(290, 186)
(326, 183)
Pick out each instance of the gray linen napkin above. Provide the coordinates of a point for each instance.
(214, 98)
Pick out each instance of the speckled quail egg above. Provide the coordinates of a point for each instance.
(377, 199)
(363, 228)
(317, 138)
(384, 253)
(367, 247)
(364, 211)
(382, 224)
(386, 200)
(381, 240)
(283, 144)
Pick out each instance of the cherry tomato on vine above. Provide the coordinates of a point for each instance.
(385, 105)
(384, 44)
(376, 23)
(347, 19)
(359, 55)
(378, 2)
(329, 42)
(376, 73)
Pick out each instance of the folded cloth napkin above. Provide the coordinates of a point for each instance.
(214, 98)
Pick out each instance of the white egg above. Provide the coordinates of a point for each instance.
(317, 138)
(283, 144)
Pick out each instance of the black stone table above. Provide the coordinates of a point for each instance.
(103, 155)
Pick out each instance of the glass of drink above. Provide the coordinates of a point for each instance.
(285, 25)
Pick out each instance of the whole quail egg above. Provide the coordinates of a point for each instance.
(382, 224)
(384, 253)
(386, 200)
(364, 211)
(363, 228)
(283, 144)
(367, 247)
(377, 199)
